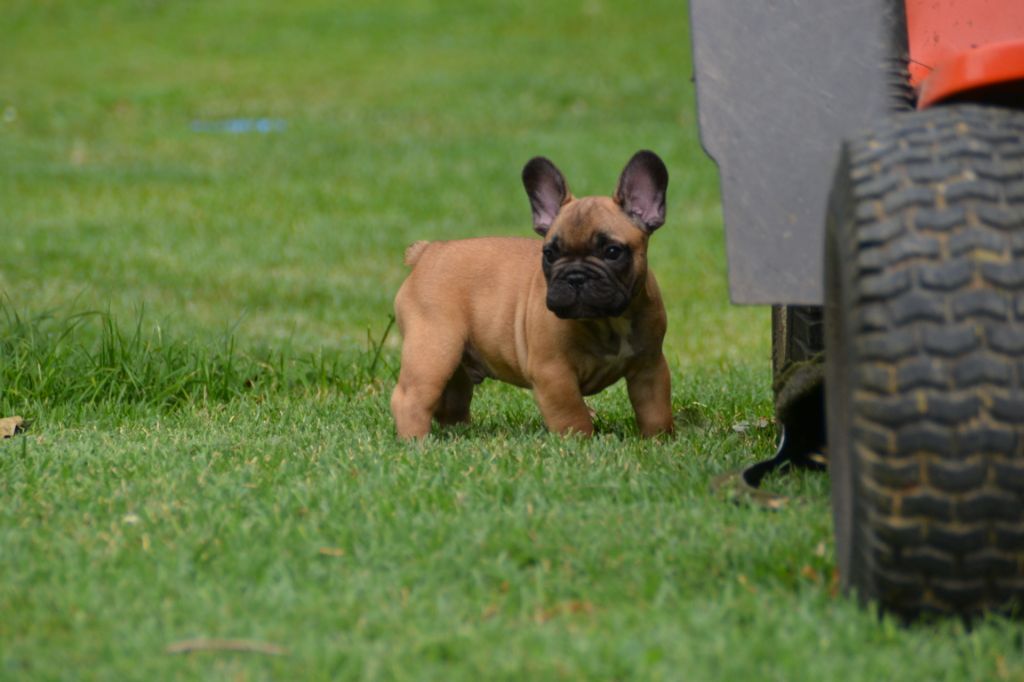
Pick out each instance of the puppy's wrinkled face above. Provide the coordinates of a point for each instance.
(593, 259)
(595, 248)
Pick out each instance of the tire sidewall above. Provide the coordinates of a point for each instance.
(839, 366)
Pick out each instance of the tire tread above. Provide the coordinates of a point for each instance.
(933, 240)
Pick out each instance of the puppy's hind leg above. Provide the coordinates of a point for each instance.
(429, 362)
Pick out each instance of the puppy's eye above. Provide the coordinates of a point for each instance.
(612, 252)
(549, 254)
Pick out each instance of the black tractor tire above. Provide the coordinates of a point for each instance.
(924, 338)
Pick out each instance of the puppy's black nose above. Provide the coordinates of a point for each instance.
(576, 279)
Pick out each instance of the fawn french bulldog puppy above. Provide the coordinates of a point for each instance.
(565, 316)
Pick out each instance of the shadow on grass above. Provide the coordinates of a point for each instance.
(493, 426)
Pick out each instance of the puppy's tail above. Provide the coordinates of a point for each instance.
(415, 250)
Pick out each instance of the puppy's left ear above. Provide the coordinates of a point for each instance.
(641, 190)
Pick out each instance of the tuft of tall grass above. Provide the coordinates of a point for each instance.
(89, 359)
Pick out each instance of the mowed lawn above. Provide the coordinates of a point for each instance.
(195, 321)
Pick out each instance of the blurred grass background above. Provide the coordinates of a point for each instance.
(404, 121)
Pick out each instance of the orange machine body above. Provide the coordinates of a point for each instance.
(964, 47)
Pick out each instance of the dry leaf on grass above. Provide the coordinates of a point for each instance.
(10, 426)
(808, 572)
(244, 645)
(331, 551)
(566, 608)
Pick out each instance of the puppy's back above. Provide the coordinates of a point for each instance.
(462, 277)
(480, 258)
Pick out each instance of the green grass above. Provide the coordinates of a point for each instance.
(195, 325)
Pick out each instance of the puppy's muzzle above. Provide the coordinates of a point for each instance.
(585, 293)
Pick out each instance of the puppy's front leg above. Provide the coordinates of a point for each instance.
(650, 392)
(557, 392)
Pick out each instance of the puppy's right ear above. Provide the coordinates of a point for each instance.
(547, 191)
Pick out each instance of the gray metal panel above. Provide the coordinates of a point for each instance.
(779, 83)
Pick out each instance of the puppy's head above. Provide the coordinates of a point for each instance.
(595, 248)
